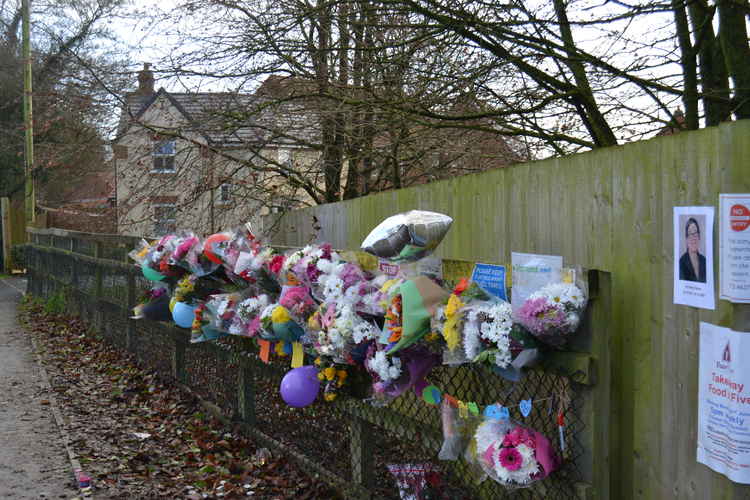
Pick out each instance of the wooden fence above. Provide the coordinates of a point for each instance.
(609, 209)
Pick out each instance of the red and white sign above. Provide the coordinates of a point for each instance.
(739, 217)
(734, 247)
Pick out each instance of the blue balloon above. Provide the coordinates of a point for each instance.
(300, 386)
(183, 314)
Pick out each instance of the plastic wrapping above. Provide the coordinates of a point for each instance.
(417, 481)
(455, 432)
(513, 455)
(407, 236)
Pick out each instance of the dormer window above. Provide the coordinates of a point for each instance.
(163, 155)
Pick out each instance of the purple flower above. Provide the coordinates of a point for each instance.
(538, 315)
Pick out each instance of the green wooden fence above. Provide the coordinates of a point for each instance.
(609, 209)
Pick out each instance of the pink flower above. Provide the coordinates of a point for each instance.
(510, 458)
(538, 315)
(253, 327)
(276, 263)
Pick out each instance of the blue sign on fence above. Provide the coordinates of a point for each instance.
(491, 278)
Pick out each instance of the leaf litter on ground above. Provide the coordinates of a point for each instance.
(138, 436)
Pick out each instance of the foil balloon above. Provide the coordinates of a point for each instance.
(408, 236)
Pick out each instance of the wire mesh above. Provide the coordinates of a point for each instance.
(350, 438)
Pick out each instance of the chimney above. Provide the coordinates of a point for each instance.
(146, 80)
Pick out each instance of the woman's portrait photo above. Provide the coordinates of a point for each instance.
(693, 259)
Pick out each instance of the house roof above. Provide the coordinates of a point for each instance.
(231, 119)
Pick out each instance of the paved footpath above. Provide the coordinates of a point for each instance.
(33, 459)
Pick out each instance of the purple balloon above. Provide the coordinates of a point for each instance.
(300, 386)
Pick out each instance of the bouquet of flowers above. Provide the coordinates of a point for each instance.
(513, 455)
(339, 328)
(247, 320)
(486, 332)
(553, 313)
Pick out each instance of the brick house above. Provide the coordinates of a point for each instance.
(206, 161)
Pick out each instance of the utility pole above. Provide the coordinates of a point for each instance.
(30, 197)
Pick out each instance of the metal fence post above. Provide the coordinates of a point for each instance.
(361, 449)
(246, 394)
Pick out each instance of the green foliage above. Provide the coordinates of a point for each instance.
(18, 257)
(56, 304)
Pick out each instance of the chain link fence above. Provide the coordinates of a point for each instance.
(348, 443)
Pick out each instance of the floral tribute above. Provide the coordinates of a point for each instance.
(364, 329)
(513, 455)
(553, 313)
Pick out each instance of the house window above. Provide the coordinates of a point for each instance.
(163, 155)
(225, 193)
(165, 219)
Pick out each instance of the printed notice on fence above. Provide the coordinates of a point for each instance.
(724, 402)
(734, 247)
(694, 257)
(531, 272)
(491, 278)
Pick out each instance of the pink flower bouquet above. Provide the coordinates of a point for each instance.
(553, 313)
(513, 455)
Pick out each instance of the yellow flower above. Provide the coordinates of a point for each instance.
(280, 315)
(321, 376)
(342, 375)
(329, 396)
(330, 372)
(318, 361)
(454, 304)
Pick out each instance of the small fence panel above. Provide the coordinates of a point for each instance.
(350, 442)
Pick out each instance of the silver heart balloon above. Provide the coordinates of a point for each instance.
(407, 236)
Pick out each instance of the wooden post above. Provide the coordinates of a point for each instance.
(178, 360)
(361, 449)
(246, 394)
(129, 304)
(7, 244)
(741, 317)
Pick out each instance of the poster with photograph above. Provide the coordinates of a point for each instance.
(693, 257)
(734, 247)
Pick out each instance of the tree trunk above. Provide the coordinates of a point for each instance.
(714, 76)
(598, 127)
(734, 45)
(689, 67)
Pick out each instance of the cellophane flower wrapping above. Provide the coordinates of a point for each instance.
(553, 313)
(513, 455)
(456, 433)
(393, 375)
(246, 321)
(417, 481)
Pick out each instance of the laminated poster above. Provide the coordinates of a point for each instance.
(491, 279)
(531, 272)
(694, 257)
(724, 402)
(734, 247)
